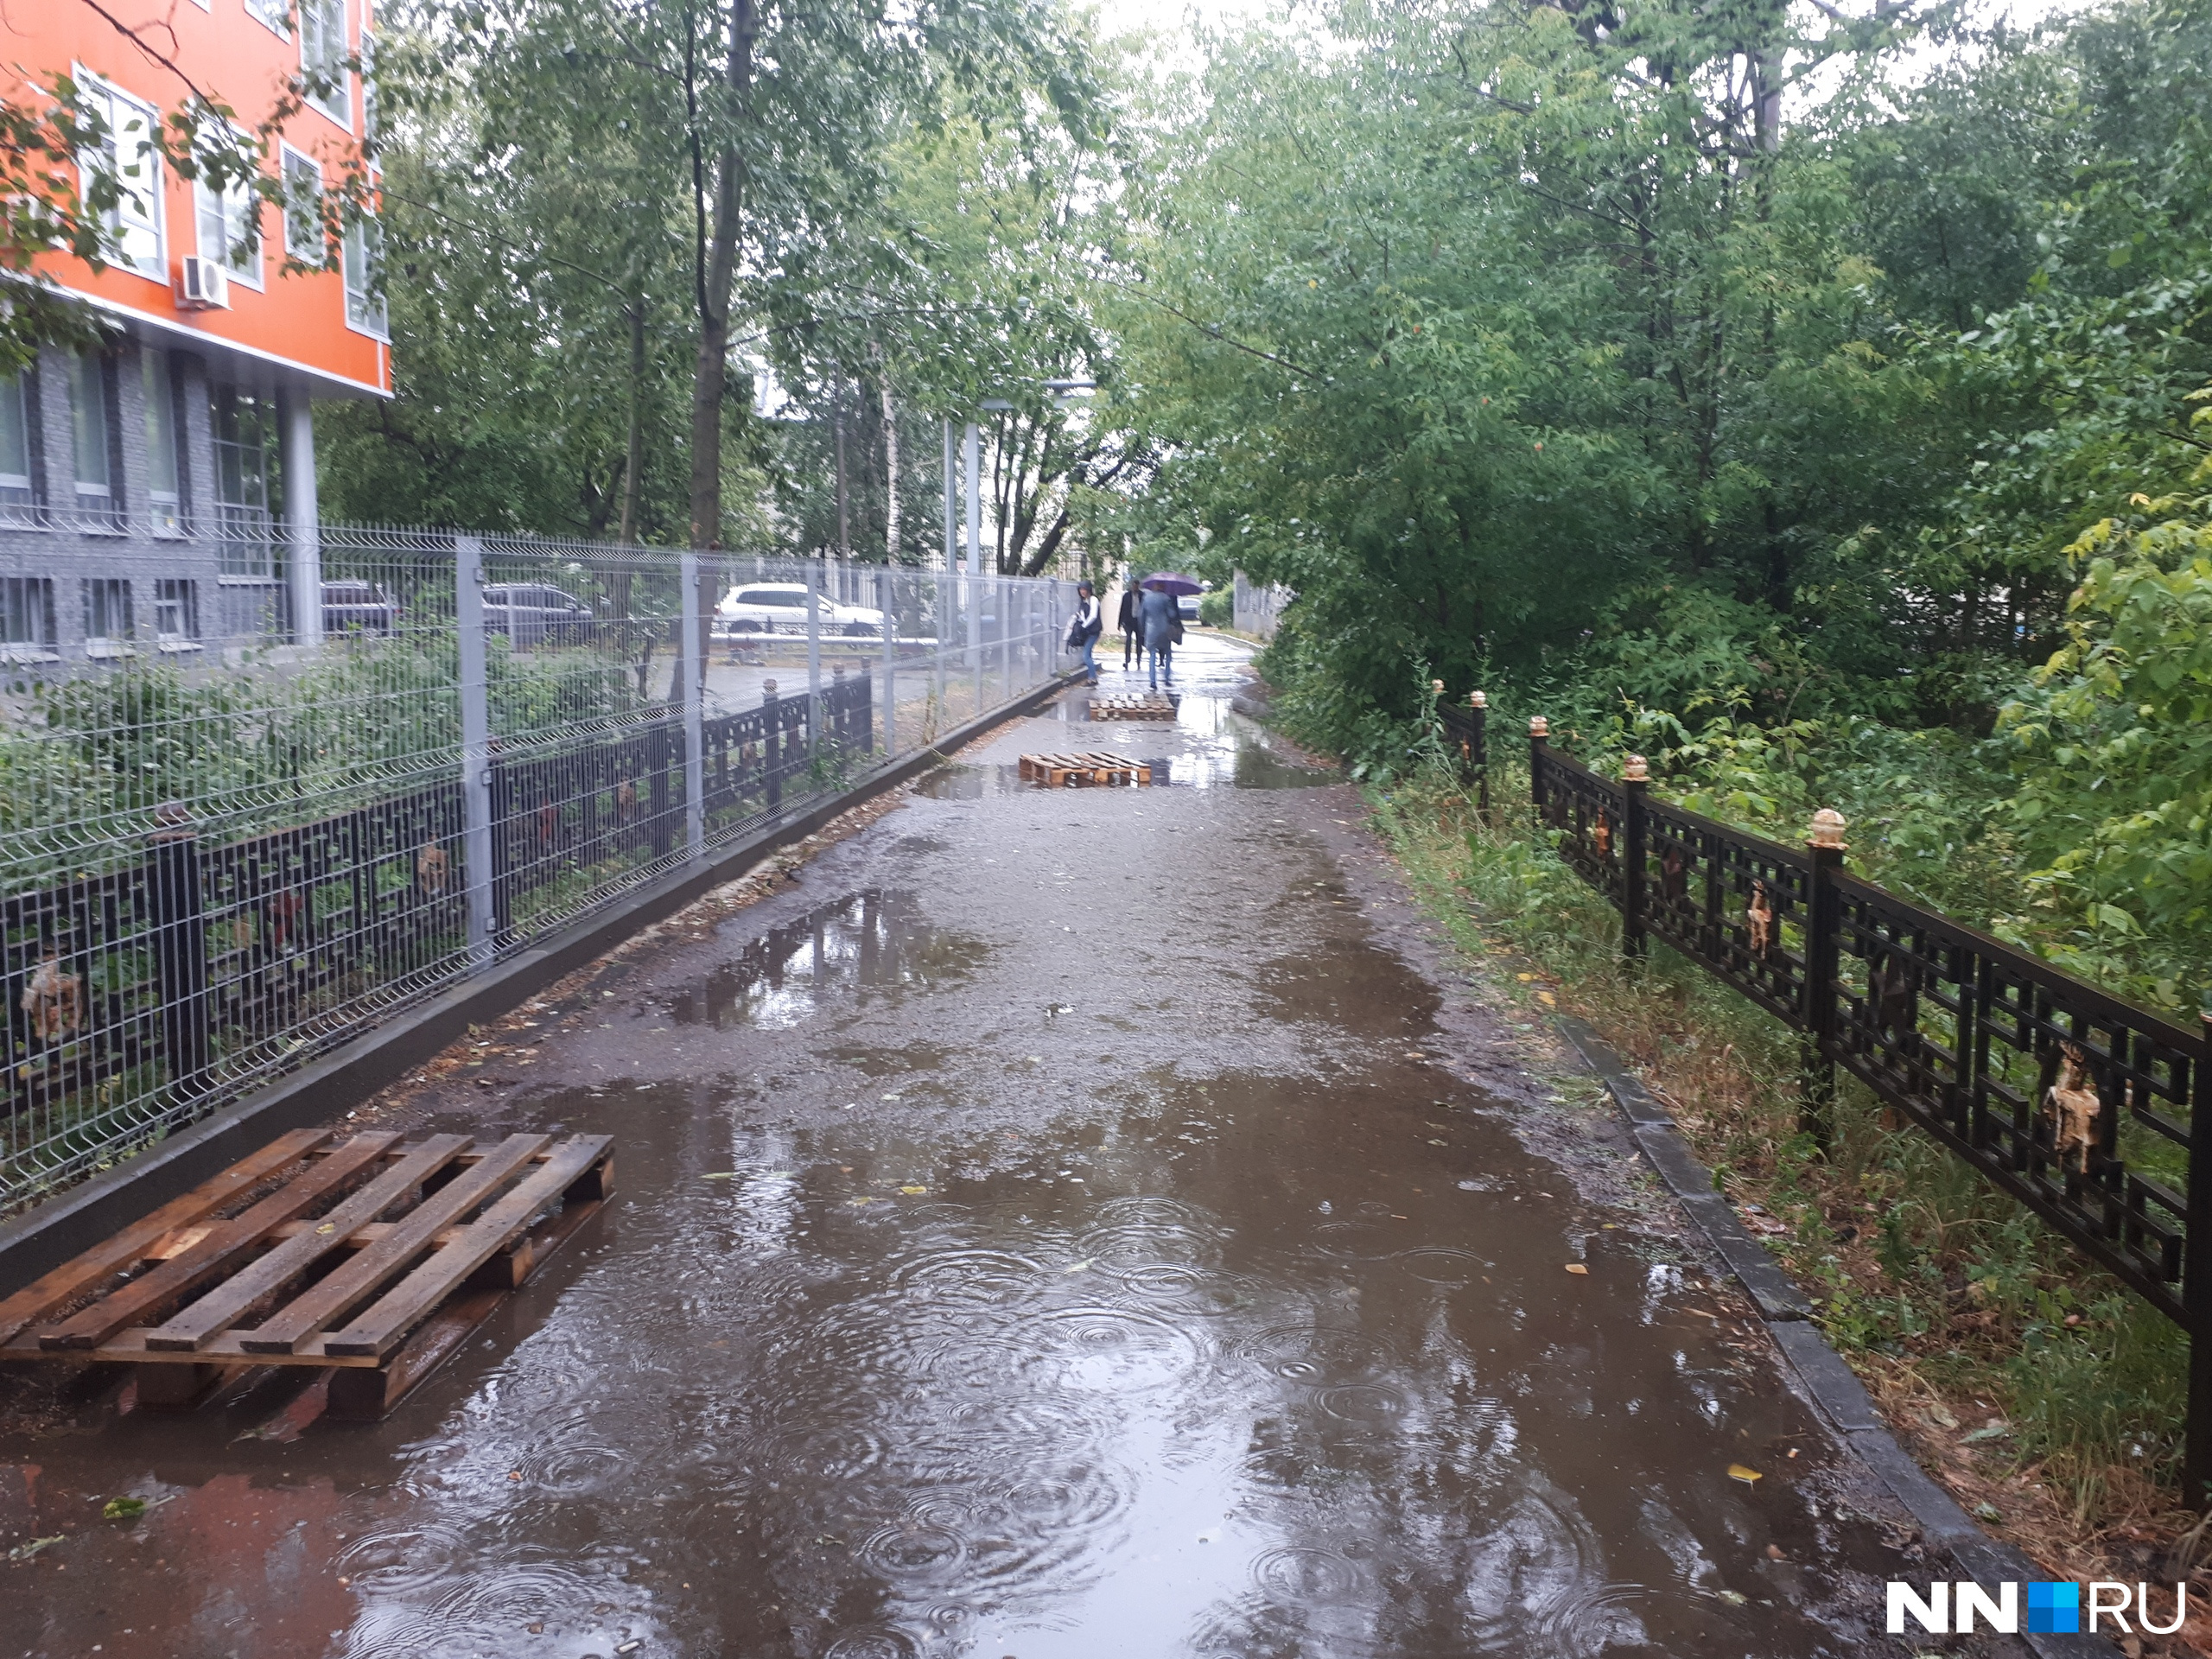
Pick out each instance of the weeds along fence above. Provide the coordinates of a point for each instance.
(2076, 1105)
(225, 849)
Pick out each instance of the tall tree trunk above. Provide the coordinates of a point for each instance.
(633, 447)
(716, 275)
(890, 476)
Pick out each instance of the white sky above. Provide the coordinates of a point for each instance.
(1173, 16)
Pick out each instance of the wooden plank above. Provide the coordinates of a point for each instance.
(383, 1326)
(334, 1296)
(241, 1296)
(127, 1249)
(150, 1294)
(128, 1348)
(363, 1394)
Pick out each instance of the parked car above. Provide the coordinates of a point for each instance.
(1187, 606)
(780, 607)
(531, 615)
(357, 608)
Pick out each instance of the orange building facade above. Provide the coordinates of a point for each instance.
(160, 493)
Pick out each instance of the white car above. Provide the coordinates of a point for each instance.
(780, 607)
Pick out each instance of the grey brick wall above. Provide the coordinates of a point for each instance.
(67, 553)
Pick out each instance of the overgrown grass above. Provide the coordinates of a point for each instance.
(2033, 1371)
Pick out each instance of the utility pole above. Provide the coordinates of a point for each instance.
(971, 458)
(844, 530)
(951, 513)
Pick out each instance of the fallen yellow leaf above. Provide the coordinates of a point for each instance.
(1524, 978)
(1738, 1472)
(1547, 999)
(1576, 1267)
(913, 1189)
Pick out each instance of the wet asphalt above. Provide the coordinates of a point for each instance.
(1090, 1222)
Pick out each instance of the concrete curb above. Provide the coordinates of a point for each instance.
(72, 1223)
(1786, 1311)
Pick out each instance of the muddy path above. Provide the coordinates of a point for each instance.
(1089, 1221)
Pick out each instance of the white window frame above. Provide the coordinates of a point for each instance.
(164, 513)
(206, 202)
(310, 36)
(368, 51)
(150, 220)
(270, 15)
(379, 327)
(108, 647)
(171, 641)
(17, 386)
(319, 257)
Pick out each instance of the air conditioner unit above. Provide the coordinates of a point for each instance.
(203, 285)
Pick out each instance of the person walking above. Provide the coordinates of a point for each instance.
(1082, 633)
(1132, 627)
(1157, 615)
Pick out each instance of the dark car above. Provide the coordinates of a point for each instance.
(531, 615)
(357, 608)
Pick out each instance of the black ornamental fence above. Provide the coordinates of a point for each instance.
(246, 814)
(2076, 1105)
(200, 964)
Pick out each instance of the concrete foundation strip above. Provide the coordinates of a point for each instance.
(1786, 1311)
(76, 1220)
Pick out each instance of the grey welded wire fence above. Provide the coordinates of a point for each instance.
(2072, 1102)
(229, 843)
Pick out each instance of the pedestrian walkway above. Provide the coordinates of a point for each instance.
(1064, 1223)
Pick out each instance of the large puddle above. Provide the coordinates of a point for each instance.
(1223, 1365)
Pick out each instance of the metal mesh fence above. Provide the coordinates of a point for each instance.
(257, 792)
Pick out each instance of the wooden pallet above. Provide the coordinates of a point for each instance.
(368, 1256)
(1132, 707)
(1059, 770)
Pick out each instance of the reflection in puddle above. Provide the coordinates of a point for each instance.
(1233, 763)
(872, 940)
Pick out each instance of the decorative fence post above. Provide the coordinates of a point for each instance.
(499, 790)
(772, 744)
(1478, 711)
(179, 946)
(1540, 738)
(1824, 846)
(864, 712)
(841, 717)
(2196, 1282)
(661, 795)
(1635, 784)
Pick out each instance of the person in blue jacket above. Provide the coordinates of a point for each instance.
(1161, 624)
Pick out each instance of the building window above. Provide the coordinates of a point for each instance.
(107, 616)
(27, 618)
(230, 229)
(176, 613)
(272, 12)
(245, 436)
(18, 496)
(164, 474)
(368, 94)
(126, 154)
(92, 425)
(322, 58)
(304, 229)
(364, 276)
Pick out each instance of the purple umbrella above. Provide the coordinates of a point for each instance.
(1167, 582)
